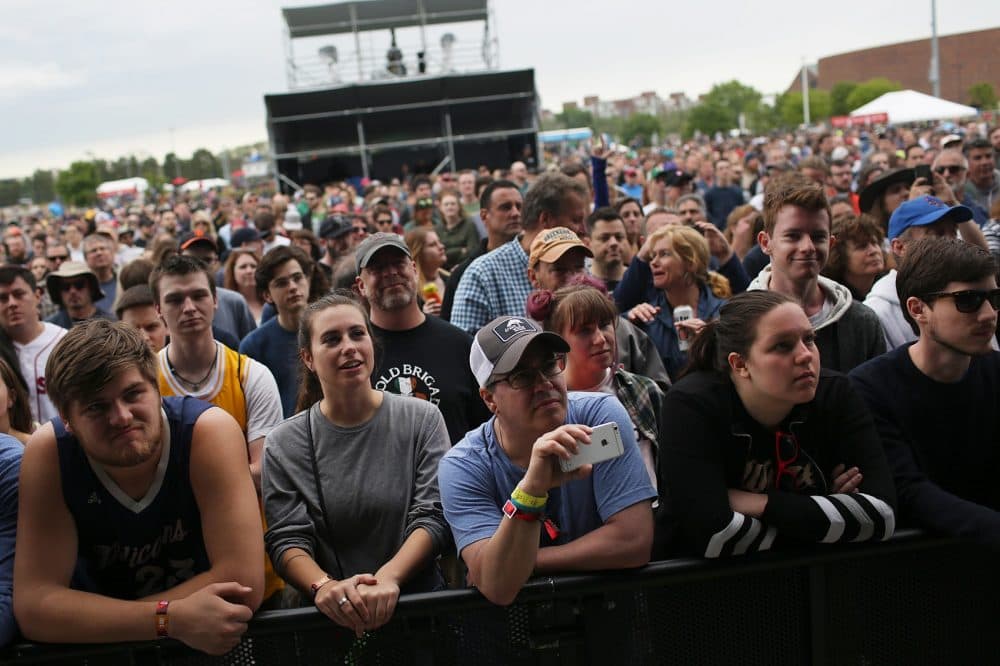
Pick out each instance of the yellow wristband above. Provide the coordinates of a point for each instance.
(531, 501)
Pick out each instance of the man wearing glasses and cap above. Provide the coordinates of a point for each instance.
(511, 508)
(936, 401)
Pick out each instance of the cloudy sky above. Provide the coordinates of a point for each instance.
(82, 79)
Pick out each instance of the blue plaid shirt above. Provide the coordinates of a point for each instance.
(493, 285)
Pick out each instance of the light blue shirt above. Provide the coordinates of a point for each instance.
(494, 285)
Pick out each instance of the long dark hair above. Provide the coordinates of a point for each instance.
(310, 390)
(19, 414)
(734, 331)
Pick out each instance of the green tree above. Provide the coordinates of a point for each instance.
(869, 90)
(720, 109)
(674, 122)
(982, 96)
(838, 97)
(571, 117)
(43, 186)
(77, 185)
(765, 117)
(640, 126)
(10, 191)
(150, 170)
(790, 107)
(203, 164)
(171, 167)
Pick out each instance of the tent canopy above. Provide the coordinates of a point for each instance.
(910, 106)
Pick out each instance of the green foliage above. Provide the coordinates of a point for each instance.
(571, 117)
(202, 164)
(838, 97)
(869, 90)
(171, 167)
(983, 96)
(720, 109)
(10, 191)
(43, 186)
(674, 122)
(150, 170)
(765, 117)
(77, 184)
(790, 107)
(640, 126)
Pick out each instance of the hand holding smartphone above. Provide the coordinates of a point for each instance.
(605, 444)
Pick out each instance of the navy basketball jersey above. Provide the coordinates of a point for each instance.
(129, 549)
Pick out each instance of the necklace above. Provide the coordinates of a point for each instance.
(194, 385)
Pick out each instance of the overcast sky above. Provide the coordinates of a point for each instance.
(82, 79)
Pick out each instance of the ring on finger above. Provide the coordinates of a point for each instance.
(343, 601)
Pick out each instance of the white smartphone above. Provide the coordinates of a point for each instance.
(682, 313)
(605, 444)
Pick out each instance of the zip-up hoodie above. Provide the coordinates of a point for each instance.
(849, 335)
(884, 301)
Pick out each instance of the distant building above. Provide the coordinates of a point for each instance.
(965, 59)
(645, 102)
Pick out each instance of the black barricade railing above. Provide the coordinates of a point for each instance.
(909, 601)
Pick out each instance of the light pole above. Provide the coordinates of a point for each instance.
(935, 73)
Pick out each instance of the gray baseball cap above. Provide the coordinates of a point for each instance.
(369, 246)
(499, 345)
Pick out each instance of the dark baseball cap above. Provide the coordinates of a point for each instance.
(189, 240)
(499, 345)
(243, 236)
(379, 241)
(335, 226)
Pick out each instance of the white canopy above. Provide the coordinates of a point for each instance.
(909, 106)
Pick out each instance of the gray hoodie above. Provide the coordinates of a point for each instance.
(848, 335)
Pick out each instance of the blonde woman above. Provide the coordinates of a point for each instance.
(680, 276)
(428, 252)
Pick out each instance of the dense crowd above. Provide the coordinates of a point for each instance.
(231, 401)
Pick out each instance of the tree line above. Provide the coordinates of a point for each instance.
(76, 184)
(722, 108)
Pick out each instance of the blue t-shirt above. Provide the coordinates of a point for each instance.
(476, 478)
(10, 469)
(278, 349)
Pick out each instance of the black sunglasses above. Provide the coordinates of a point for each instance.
(952, 169)
(969, 300)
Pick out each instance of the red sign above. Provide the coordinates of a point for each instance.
(851, 121)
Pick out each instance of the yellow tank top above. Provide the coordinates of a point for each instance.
(224, 389)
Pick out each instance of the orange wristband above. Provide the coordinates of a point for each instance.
(162, 619)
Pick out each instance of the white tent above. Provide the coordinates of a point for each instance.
(909, 106)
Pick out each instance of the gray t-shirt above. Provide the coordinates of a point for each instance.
(379, 484)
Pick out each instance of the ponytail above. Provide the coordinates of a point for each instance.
(540, 304)
(704, 351)
(719, 285)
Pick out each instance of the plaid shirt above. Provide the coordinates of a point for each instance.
(493, 285)
(642, 399)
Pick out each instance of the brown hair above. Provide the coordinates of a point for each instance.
(931, 263)
(860, 231)
(229, 270)
(692, 248)
(19, 412)
(572, 306)
(416, 239)
(310, 390)
(90, 356)
(176, 265)
(792, 189)
(734, 331)
(738, 214)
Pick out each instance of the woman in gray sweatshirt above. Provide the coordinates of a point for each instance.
(350, 482)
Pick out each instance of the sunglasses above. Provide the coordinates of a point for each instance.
(58, 257)
(786, 451)
(79, 285)
(952, 169)
(969, 300)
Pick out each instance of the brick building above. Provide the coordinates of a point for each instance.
(965, 59)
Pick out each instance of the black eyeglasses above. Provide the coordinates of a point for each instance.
(58, 257)
(527, 377)
(969, 300)
(953, 169)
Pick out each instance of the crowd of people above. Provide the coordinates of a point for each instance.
(228, 402)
